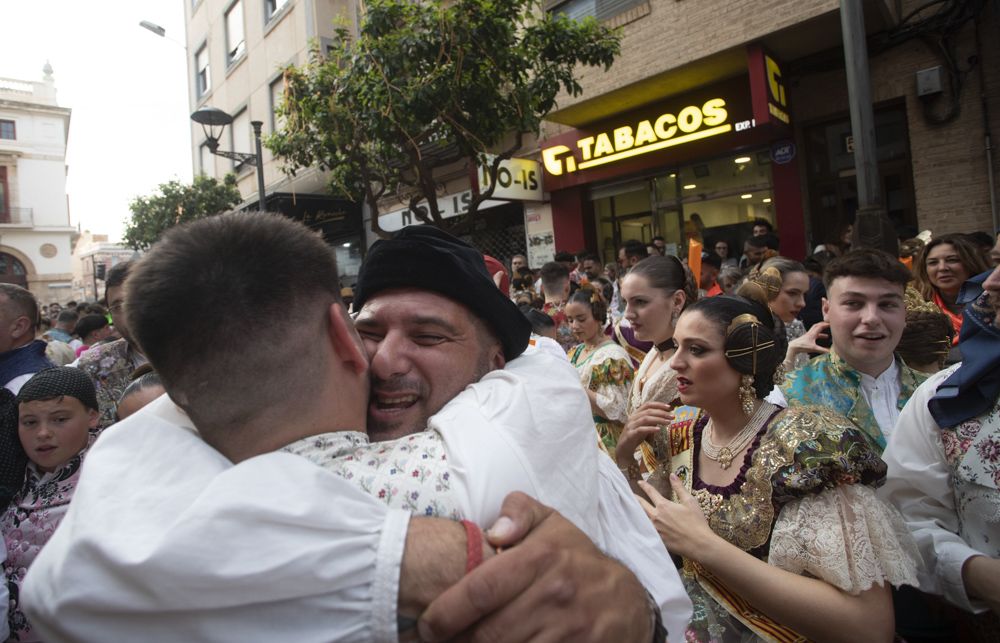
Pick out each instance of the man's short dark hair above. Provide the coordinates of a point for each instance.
(712, 259)
(635, 248)
(22, 301)
(659, 238)
(763, 222)
(771, 241)
(590, 256)
(554, 277)
(868, 263)
(67, 316)
(88, 324)
(980, 239)
(261, 278)
(116, 276)
(565, 256)
(757, 242)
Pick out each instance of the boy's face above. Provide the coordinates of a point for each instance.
(53, 431)
(867, 317)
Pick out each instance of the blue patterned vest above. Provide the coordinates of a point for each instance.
(830, 382)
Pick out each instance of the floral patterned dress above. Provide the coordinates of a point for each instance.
(803, 497)
(660, 386)
(27, 525)
(607, 371)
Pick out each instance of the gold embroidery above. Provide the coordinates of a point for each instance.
(746, 517)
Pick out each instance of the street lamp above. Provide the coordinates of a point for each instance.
(213, 122)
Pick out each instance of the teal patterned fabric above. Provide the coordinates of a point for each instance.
(830, 382)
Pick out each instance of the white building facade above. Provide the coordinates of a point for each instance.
(237, 50)
(35, 231)
(93, 257)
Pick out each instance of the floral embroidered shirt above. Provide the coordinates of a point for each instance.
(409, 473)
(110, 366)
(946, 483)
(27, 525)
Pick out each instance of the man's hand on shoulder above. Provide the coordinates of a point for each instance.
(550, 583)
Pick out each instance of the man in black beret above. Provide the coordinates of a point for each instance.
(433, 322)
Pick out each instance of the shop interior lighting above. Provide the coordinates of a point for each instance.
(767, 200)
(746, 196)
(742, 159)
(690, 186)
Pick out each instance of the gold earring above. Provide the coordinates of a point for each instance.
(779, 375)
(747, 396)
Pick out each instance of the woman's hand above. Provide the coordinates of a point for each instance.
(682, 525)
(644, 423)
(807, 343)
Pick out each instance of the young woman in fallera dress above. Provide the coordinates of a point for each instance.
(773, 510)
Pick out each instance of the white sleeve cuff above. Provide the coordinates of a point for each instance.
(385, 586)
(951, 557)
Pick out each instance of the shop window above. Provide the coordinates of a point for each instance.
(707, 201)
(832, 180)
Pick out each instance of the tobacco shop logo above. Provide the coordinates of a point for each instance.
(777, 104)
(692, 123)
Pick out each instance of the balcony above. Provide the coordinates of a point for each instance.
(17, 218)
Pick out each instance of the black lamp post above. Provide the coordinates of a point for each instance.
(213, 123)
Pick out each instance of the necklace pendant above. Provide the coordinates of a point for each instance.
(725, 457)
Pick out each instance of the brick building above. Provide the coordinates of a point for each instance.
(721, 111)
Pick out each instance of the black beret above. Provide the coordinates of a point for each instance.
(428, 258)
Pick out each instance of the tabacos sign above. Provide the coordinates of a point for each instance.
(668, 129)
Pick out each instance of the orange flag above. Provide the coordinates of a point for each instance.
(694, 259)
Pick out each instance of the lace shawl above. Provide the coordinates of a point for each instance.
(846, 537)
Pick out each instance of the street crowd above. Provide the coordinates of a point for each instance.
(727, 447)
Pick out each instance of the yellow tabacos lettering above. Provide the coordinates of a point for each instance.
(691, 123)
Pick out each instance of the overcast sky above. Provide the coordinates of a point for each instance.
(127, 89)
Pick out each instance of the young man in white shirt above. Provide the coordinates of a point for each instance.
(860, 378)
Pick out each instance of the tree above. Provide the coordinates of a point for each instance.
(173, 203)
(428, 84)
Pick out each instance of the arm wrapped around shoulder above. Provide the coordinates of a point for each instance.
(847, 537)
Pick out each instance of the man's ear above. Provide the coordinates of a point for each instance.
(94, 418)
(22, 325)
(826, 309)
(345, 340)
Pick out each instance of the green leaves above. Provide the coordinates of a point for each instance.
(174, 203)
(427, 84)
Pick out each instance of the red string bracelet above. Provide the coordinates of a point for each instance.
(473, 545)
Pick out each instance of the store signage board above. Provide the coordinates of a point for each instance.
(699, 124)
(691, 123)
(768, 93)
(451, 205)
(517, 179)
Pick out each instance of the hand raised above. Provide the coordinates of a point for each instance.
(682, 525)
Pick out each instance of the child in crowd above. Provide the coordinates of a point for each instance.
(56, 423)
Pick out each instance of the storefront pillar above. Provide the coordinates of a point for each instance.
(572, 220)
(788, 210)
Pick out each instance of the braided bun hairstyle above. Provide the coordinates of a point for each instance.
(590, 296)
(754, 339)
